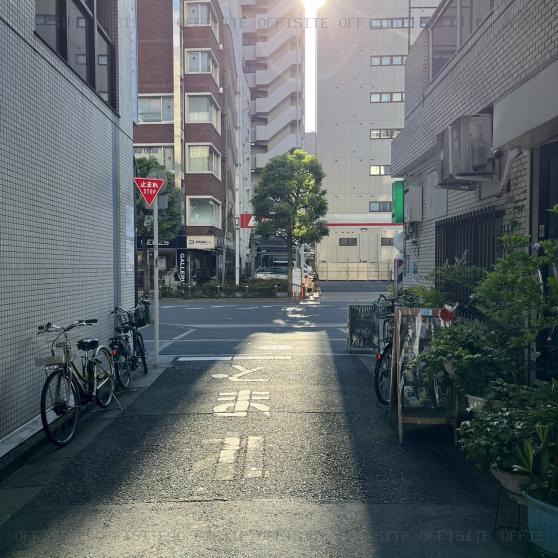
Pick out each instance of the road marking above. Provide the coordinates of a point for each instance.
(183, 334)
(227, 458)
(239, 403)
(253, 468)
(281, 325)
(251, 308)
(167, 307)
(239, 376)
(275, 347)
(224, 306)
(263, 357)
(204, 358)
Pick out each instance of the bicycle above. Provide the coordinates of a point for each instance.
(67, 388)
(128, 354)
(382, 369)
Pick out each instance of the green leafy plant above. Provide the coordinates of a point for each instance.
(493, 438)
(513, 304)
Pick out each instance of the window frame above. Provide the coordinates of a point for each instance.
(382, 95)
(380, 210)
(393, 133)
(389, 244)
(213, 19)
(458, 40)
(219, 207)
(214, 72)
(347, 244)
(93, 28)
(215, 103)
(161, 146)
(383, 170)
(211, 148)
(160, 96)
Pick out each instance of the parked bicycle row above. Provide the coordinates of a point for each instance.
(72, 383)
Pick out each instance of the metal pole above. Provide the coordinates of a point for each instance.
(156, 276)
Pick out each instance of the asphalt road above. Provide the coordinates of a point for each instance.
(262, 437)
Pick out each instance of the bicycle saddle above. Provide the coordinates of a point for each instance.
(87, 344)
(123, 329)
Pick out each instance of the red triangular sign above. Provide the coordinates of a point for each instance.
(149, 188)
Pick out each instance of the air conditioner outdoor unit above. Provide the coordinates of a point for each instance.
(465, 155)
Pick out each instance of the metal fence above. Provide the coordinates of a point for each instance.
(218, 291)
(473, 237)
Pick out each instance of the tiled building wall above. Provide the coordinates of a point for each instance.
(66, 175)
(513, 44)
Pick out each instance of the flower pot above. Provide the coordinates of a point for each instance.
(543, 524)
(513, 483)
(449, 366)
(476, 404)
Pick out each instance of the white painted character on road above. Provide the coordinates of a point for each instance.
(239, 403)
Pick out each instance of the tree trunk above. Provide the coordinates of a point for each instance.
(290, 264)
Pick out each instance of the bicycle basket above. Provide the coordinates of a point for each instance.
(139, 316)
(45, 354)
(383, 309)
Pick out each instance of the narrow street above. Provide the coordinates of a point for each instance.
(260, 437)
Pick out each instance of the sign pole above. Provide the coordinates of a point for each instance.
(156, 276)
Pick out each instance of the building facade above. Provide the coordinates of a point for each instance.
(273, 51)
(67, 217)
(361, 52)
(480, 82)
(190, 95)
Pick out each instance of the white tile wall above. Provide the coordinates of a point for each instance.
(65, 157)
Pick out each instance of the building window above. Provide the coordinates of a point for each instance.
(68, 27)
(386, 241)
(163, 154)
(204, 159)
(155, 110)
(203, 62)
(387, 97)
(473, 13)
(203, 109)
(203, 212)
(391, 133)
(392, 23)
(380, 207)
(380, 170)
(424, 21)
(200, 14)
(387, 60)
(348, 241)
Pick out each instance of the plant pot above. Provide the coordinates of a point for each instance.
(543, 524)
(476, 404)
(449, 366)
(513, 483)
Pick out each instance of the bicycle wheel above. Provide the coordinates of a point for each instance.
(60, 404)
(387, 330)
(122, 367)
(104, 375)
(382, 375)
(140, 352)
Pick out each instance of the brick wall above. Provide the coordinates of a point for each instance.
(66, 175)
(513, 44)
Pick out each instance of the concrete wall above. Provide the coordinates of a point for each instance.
(66, 174)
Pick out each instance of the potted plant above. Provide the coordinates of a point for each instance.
(492, 439)
(538, 458)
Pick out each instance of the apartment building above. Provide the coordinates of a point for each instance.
(361, 51)
(66, 165)
(190, 116)
(479, 150)
(273, 51)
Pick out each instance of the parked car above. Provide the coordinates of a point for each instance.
(276, 272)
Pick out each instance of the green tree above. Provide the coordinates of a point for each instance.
(290, 203)
(169, 219)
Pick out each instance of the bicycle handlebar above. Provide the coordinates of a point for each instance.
(49, 327)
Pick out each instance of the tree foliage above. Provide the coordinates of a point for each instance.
(169, 219)
(289, 202)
